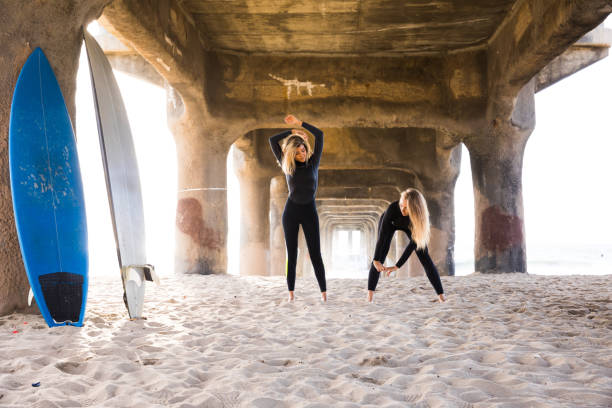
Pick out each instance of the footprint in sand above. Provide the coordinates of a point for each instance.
(70, 367)
(368, 380)
(413, 397)
(376, 361)
(227, 400)
(279, 363)
(492, 357)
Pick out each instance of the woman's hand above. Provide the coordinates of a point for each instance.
(298, 132)
(379, 267)
(391, 269)
(292, 120)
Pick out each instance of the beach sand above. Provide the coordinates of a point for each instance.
(224, 341)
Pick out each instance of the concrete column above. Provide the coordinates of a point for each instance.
(58, 30)
(278, 251)
(391, 256)
(326, 244)
(254, 214)
(415, 268)
(363, 251)
(402, 242)
(372, 237)
(255, 226)
(201, 211)
(201, 214)
(497, 161)
(303, 265)
(442, 239)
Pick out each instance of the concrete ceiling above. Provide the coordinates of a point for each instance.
(337, 27)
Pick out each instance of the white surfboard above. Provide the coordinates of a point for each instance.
(122, 179)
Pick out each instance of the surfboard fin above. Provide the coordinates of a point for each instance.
(148, 271)
(30, 297)
(150, 275)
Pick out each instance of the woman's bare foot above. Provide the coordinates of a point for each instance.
(291, 298)
(370, 296)
(323, 296)
(441, 298)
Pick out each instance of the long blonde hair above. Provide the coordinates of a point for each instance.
(419, 216)
(290, 146)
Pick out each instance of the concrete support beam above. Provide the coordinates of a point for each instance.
(201, 214)
(535, 33)
(166, 38)
(136, 66)
(278, 253)
(346, 92)
(57, 28)
(496, 155)
(254, 176)
(127, 60)
(588, 50)
(402, 242)
(254, 225)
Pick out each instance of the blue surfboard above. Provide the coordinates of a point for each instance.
(48, 194)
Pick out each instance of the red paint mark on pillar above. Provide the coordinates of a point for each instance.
(500, 230)
(189, 221)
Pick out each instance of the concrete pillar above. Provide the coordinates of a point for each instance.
(415, 268)
(391, 256)
(201, 211)
(255, 226)
(278, 251)
(326, 243)
(58, 30)
(370, 243)
(496, 156)
(254, 214)
(303, 266)
(402, 242)
(372, 237)
(442, 219)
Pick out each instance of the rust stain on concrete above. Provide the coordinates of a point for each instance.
(500, 230)
(189, 221)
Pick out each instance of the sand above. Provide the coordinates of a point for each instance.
(223, 341)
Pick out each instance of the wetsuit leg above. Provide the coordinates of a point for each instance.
(430, 270)
(382, 249)
(291, 225)
(373, 278)
(310, 226)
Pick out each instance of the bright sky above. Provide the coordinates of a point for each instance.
(567, 163)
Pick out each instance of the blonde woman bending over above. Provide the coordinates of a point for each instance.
(409, 214)
(301, 167)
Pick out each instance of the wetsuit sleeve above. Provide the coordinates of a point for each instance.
(318, 135)
(385, 235)
(276, 149)
(407, 252)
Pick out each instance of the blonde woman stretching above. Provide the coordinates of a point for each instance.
(409, 214)
(301, 167)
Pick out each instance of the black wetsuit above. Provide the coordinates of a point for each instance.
(300, 207)
(390, 221)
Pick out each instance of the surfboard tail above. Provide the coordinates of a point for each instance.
(63, 293)
(134, 277)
